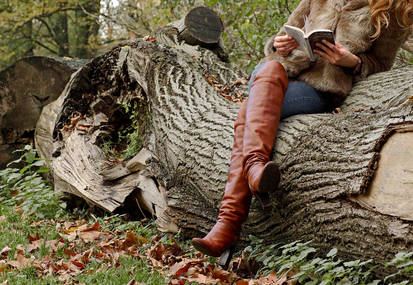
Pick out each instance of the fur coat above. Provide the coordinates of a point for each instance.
(350, 22)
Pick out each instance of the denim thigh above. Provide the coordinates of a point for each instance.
(300, 98)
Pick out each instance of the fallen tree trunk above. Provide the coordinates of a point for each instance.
(25, 87)
(184, 113)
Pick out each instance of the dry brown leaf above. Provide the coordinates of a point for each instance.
(202, 279)
(131, 239)
(272, 279)
(79, 264)
(179, 269)
(70, 237)
(21, 261)
(149, 38)
(2, 219)
(3, 266)
(240, 81)
(32, 239)
(338, 111)
(54, 245)
(89, 236)
(5, 251)
(34, 245)
(19, 211)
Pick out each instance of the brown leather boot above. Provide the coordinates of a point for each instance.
(235, 203)
(261, 124)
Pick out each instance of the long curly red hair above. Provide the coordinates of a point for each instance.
(380, 14)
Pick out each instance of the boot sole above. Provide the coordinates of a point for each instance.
(270, 178)
(200, 246)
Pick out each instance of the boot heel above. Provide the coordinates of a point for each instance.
(226, 257)
(265, 200)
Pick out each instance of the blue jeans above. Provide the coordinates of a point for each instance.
(300, 98)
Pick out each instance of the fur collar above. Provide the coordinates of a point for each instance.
(354, 4)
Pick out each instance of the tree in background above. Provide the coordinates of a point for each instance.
(248, 23)
(47, 27)
(79, 28)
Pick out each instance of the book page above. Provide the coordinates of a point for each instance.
(298, 35)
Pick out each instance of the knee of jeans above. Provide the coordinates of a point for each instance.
(298, 90)
(254, 74)
(273, 65)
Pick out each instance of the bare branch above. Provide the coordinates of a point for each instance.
(45, 47)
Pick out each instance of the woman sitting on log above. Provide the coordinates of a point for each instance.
(368, 34)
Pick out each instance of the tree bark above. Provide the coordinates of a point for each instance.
(25, 88)
(328, 161)
(87, 28)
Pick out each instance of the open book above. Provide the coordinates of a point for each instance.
(306, 41)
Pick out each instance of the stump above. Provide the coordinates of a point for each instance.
(26, 87)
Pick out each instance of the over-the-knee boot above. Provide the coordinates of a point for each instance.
(235, 203)
(261, 124)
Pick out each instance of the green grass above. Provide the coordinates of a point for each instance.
(29, 207)
(15, 230)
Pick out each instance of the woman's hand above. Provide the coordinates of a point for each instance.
(337, 54)
(285, 45)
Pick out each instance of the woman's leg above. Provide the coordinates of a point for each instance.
(271, 82)
(235, 202)
(261, 123)
(301, 98)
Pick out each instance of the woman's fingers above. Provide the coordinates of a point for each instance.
(283, 41)
(323, 54)
(285, 38)
(285, 50)
(326, 49)
(330, 46)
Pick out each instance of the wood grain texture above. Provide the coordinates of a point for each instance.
(325, 158)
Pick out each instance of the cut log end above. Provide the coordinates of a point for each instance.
(391, 190)
(204, 25)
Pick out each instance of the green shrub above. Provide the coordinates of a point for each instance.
(300, 261)
(27, 189)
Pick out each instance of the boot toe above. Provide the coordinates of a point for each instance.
(202, 246)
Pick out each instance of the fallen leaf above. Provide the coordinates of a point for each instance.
(338, 111)
(149, 38)
(79, 264)
(272, 278)
(34, 245)
(5, 251)
(202, 279)
(19, 211)
(178, 269)
(240, 81)
(3, 266)
(131, 239)
(21, 261)
(89, 236)
(2, 219)
(31, 239)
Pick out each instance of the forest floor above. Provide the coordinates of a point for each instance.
(45, 241)
(81, 248)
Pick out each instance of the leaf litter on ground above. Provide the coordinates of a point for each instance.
(80, 243)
